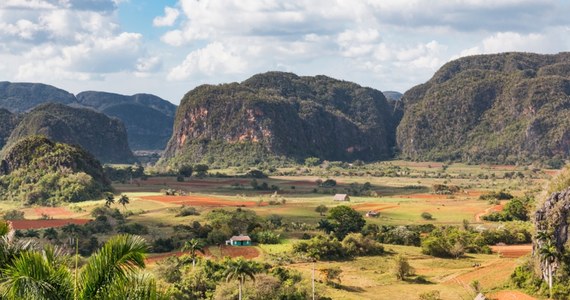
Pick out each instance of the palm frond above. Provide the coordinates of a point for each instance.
(119, 259)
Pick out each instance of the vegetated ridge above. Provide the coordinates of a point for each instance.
(8, 122)
(20, 97)
(36, 170)
(500, 108)
(281, 116)
(148, 118)
(104, 137)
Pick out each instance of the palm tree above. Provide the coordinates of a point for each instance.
(109, 199)
(193, 246)
(549, 254)
(240, 269)
(124, 200)
(110, 273)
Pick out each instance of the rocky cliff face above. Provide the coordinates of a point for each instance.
(103, 137)
(282, 115)
(501, 108)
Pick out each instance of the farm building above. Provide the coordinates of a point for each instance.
(239, 240)
(372, 214)
(341, 197)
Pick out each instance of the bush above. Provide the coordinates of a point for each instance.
(328, 183)
(133, 228)
(13, 215)
(355, 244)
(187, 211)
(427, 216)
(321, 247)
(501, 195)
(268, 237)
(161, 245)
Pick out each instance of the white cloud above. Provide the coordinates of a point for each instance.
(170, 16)
(213, 59)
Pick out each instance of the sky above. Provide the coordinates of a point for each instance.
(168, 47)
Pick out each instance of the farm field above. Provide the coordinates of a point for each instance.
(399, 199)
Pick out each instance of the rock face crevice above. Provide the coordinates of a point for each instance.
(551, 221)
(283, 115)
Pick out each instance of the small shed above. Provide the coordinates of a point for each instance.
(372, 214)
(341, 197)
(239, 240)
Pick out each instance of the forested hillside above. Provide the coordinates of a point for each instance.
(500, 108)
(104, 137)
(36, 170)
(281, 116)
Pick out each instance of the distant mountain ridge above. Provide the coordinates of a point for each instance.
(498, 108)
(282, 115)
(148, 118)
(104, 137)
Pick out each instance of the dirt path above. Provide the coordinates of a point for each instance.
(494, 208)
(510, 295)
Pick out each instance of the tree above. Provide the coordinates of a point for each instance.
(110, 273)
(549, 254)
(185, 170)
(240, 269)
(321, 209)
(345, 220)
(109, 199)
(201, 170)
(401, 267)
(124, 200)
(193, 246)
(331, 276)
(312, 161)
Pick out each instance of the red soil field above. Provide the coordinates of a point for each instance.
(552, 172)
(200, 201)
(512, 251)
(510, 295)
(231, 251)
(36, 224)
(52, 211)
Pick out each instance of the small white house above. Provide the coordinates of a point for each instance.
(341, 197)
(239, 240)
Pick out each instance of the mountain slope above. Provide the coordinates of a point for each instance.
(35, 170)
(148, 118)
(21, 97)
(8, 122)
(102, 136)
(500, 108)
(284, 116)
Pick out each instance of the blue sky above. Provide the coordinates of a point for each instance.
(169, 47)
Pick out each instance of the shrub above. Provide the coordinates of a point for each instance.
(431, 295)
(355, 244)
(187, 211)
(133, 228)
(328, 183)
(13, 215)
(427, 216)
(268, 237)
(401, 268)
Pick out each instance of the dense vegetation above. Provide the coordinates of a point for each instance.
(147, 118)
(280, 116)
(102, 136)
(7, 123)
(36, 170)
(21, 97)
(501, 108)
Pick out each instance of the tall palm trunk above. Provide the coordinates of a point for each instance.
(240, 284)
(549, 279)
